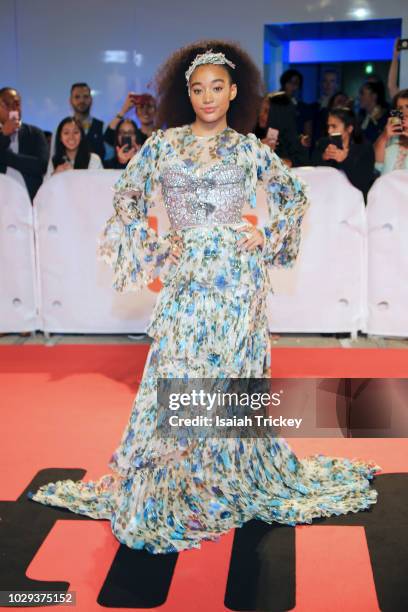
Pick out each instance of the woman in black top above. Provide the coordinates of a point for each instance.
(355, 156)
(126, 133)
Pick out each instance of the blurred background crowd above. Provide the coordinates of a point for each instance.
(364, 137)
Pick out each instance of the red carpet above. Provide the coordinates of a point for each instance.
(66, 407)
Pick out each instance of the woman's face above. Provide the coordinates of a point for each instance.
(211, 92)
(126, 129)
(336, 126)
(71, 136)
(402, 105)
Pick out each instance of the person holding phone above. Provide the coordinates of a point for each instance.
(72, 149)
(23, 147)
(110, 132)
(391, 148)
(126, 145)
(345, 149)
(266, 135)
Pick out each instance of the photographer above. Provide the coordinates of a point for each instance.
(346, 150)
(391, 147)
(110, 132)
(126, 145)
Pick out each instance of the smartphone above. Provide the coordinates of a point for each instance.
(402, 44)
(127, 143)
(336, 140)
(396, 118)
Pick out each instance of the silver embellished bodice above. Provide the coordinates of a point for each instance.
(214, 196)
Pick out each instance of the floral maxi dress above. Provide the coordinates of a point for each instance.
(210, 322)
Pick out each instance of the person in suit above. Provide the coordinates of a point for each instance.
(23, 147)
(282, 117)
(81, 103)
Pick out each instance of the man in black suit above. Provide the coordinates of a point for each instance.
(81, 102)
(22, 146)
(283, 118)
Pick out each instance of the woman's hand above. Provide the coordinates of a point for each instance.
(393, 128)
(128, 103)
(251, 242)
(62, 167)
(124, 156)
(176, 248)
(333, 152)
(272, 142)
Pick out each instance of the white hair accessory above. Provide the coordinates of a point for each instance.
(207, 58)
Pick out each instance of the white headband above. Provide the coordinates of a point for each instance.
(207, 58)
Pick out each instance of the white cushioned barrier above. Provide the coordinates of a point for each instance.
(19, 300)
(387, 214)
(71, 209)
(325, 290)
(67, 290)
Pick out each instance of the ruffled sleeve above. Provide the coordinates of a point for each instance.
(133, 249)
(287, 202)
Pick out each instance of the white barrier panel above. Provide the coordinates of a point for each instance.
(18, 303)
(387, 214)
(325, 290)
(77, 296)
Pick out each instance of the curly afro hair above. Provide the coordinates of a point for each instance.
(174, 108)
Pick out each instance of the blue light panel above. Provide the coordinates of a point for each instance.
(340, 50)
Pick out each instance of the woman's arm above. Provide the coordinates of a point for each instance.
(359, 166)
(287, 203)
(380, 146)
(109, 135)
(128, 244)
(393, 71)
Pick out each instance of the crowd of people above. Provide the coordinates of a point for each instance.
(363, 138)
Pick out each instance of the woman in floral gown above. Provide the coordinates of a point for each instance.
(165, 494)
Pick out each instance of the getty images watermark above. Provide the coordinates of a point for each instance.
(287, 407)
(220, 408)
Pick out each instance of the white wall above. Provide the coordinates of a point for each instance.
(45, 45)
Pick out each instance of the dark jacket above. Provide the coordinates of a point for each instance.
(114, 164)
(282, 116)
(32, 158)
(94, 137)
(358, 165)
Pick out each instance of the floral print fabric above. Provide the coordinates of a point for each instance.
(168, 495)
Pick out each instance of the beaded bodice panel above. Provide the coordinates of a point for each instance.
(213, 196)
